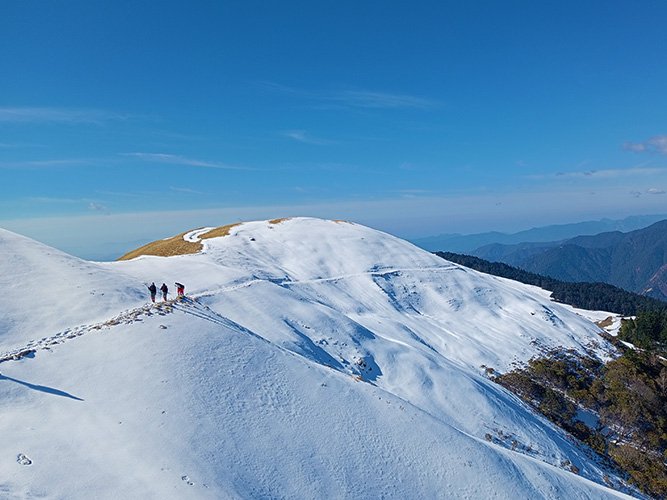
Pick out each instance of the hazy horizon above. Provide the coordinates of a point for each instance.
(112, 245)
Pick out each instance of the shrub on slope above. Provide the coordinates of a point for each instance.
(624, 400)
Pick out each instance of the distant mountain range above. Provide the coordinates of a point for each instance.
(635, 260)
(466, 243)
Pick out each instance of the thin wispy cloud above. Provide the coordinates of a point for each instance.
(58, 115)
(611, 173)
(90, 204)
(336, 167)
(304, 137)
(184, 190)
(53, 163)
(53, 199)
(619, 172)
(656, 144)
(369, 99)
(125, 194)
(414, 193)
(181, 160)
(655, 191)
(179, 136)
(355, 98)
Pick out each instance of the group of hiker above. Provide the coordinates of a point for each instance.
(180, 290)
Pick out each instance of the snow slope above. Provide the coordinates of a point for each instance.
(311, 359)
(46, 290)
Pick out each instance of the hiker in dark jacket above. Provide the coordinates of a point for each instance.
(153, 289)
(180, 289)
(164, 291)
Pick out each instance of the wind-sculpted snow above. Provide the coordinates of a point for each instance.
(310, 359)
(45, 290)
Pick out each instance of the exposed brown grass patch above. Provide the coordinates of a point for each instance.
(278, 221)
(341, 221)
(608, 321)
(175, 245)
(218, 231)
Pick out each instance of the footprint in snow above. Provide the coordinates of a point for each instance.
(187, 480)
(23, 460)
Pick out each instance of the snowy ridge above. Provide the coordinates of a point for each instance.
(126, 317)
(310, 359)
(46, 289)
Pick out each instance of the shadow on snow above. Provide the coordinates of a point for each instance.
(41, 388)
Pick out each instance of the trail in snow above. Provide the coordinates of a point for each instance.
(189, 305)
(185, 305)
(126, 317)
(383, 272)
(288, 282)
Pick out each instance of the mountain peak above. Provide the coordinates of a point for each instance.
(309, 358)
(191, 241)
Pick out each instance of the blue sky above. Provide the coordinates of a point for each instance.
(126, 121)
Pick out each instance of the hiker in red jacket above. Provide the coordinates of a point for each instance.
(180, 289)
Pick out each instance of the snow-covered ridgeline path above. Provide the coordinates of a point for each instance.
(289, 282)
(187, 305)
(125, 317)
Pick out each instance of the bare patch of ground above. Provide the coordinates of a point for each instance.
(278, 221)
(218, 231)
(176, 245)
(605, 322)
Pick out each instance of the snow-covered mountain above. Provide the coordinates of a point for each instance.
(310, 359)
